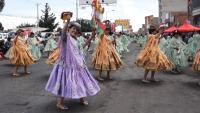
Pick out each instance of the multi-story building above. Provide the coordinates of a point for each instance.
(143, 30)
(173, 11)
(196, 12)
(155, 22)
(151, 21)
(148, 20)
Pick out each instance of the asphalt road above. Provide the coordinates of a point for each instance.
(125, 94)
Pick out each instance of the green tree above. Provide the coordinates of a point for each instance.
(1, 27)
(48, 20)
(86, 25)
(26, 25)
(2, 4)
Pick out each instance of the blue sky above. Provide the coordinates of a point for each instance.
(135, 10)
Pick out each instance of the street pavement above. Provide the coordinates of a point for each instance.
(175, 93)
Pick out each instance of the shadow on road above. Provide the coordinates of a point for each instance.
(192, 85)
(7, 65)
(74, 107)
(138, 82)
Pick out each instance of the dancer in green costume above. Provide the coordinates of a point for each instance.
(51, 44)
(33, 47)
(176, 53)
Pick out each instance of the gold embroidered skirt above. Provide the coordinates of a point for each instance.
(196, 63)
(53, 56)
(21, 56)
(153, 59)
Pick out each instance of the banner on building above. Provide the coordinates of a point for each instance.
(123, 22)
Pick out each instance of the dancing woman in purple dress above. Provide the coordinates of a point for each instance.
(70, 77)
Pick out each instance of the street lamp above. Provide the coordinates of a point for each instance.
(107, 13)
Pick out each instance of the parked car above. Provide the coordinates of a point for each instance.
(3, 36)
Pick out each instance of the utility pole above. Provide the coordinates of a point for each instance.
(76, 9)
(37, 14)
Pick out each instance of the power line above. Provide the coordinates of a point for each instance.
(36, 2)
(30, 17)
(9, 15)
(37, 5)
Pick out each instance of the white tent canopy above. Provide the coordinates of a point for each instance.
(36, 29)
(11, 22)
(33, 29)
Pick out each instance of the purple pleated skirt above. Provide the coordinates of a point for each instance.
(72, 83)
